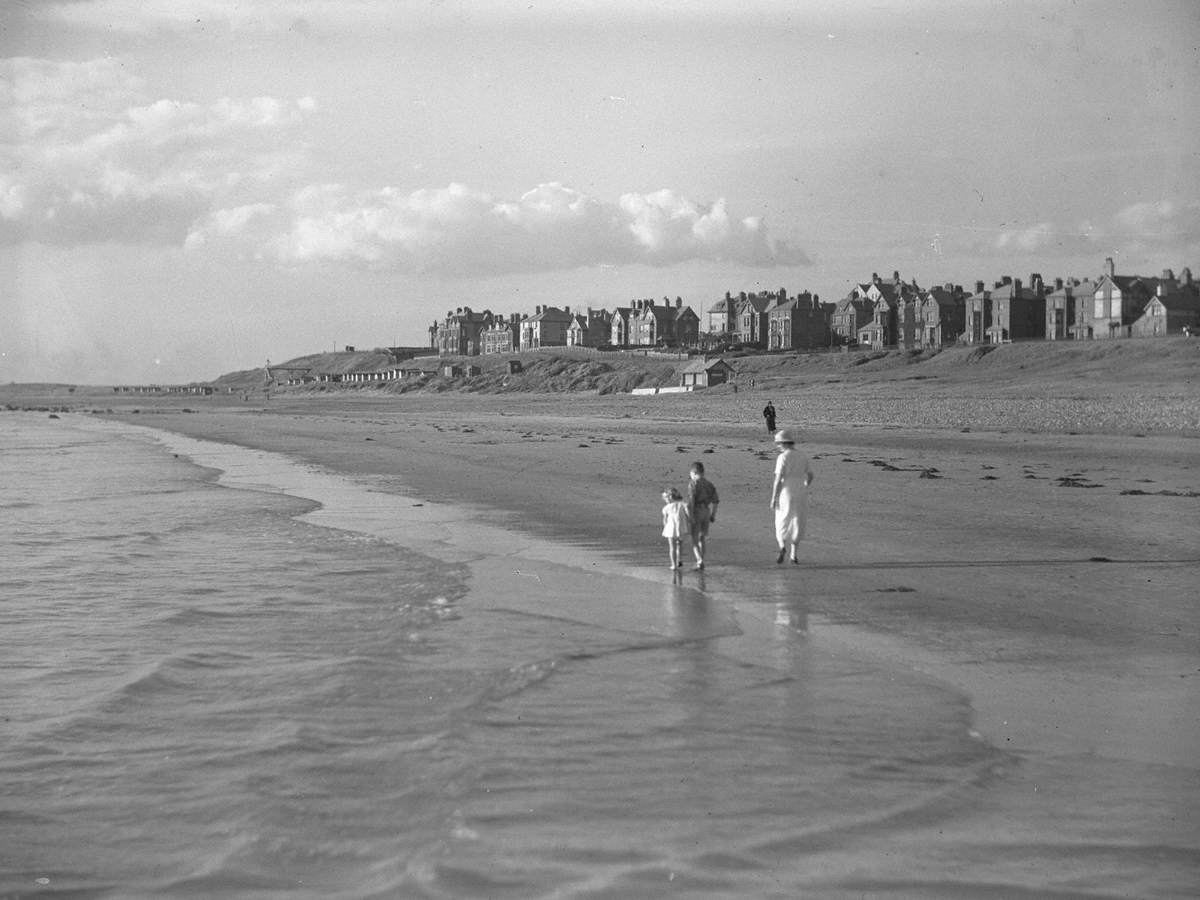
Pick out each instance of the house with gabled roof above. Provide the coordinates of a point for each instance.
(719, 316)
(503, 335)
(701, 373)
(1018, 311)
(798, 323)
(893, 312)
(459, 333)
(1117, 302)
(1174, 313)
(547, 327)
(687, 325)
(872, 312)
(940, 314)
(577, 332)
(749, 325)
(590, 329)
(850, 313)
(654, 324)
(977, 314)
(599, 326)
(1062, 307)
(1174, 309)
(619, 328)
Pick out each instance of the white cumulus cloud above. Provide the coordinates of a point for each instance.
(1168, 220)
(1047, 237)
(458, 230)
(88, 157)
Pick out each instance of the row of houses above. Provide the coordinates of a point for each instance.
(883, 312)
(644, 323)
(771, 320)
(893, 313)
(202, 389)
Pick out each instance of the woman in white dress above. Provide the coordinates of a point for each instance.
(789, 494)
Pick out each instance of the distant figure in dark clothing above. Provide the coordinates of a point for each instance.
(769, 415)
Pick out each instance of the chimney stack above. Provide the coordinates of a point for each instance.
(1109, 269)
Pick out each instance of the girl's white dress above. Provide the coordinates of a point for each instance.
(792, 510)
(676, 523)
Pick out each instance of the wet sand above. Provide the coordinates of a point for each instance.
(1048, 575)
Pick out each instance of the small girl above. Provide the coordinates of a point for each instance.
(676, 524)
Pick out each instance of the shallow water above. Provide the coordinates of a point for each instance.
(230, 692)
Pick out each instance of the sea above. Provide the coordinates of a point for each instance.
(226, 674)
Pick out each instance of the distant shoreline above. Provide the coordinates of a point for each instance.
(1119, 387)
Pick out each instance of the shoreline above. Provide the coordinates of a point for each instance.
(931, 602)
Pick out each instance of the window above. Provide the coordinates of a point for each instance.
(1098, 312)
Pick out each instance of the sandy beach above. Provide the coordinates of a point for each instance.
(1036, 586)
(962, 553)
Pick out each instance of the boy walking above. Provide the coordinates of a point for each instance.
(702, 508)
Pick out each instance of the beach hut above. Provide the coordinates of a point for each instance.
(705, 373)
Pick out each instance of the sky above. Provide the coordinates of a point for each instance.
(194, 188)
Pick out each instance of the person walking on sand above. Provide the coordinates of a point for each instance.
(769, 415)
(676, 524)
(789, 494)
(702, 509)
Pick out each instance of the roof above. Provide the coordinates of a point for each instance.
(550, 314)
(1009, 292)
(659, 312)
(1074, 290)
(862, 304)
(942, 297)
(468, 315)
(1125, 282)
(705, 365)
(1179, 300)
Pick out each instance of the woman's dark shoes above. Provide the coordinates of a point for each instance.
(779, 558)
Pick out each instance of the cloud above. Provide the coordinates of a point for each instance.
(1046, 238)
(1154, 229)
(226, 223)
(459, 231)
(91, 158)
(1169, 221)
